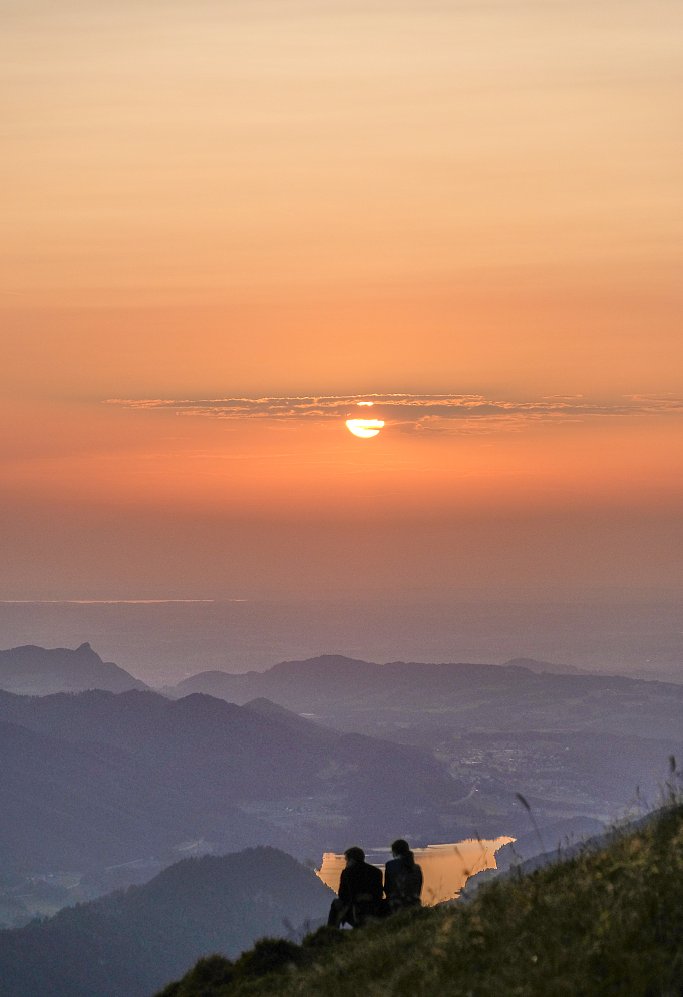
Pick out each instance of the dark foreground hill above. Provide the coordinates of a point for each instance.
(609, 921)
(127, 944)
(40, 671)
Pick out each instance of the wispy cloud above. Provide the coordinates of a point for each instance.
(413, 412)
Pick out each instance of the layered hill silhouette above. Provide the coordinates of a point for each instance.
(348, 692)
(38, 671)
(131, 942)
(115, 777)
(86, 806)
(575, 744)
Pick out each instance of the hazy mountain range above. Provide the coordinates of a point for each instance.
(355, 694)
(104, 782)
(102, 789)
(37, 671)
(575, 744)
(129, 943)
(97, 777)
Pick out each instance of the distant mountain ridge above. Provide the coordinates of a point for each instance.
(130, 942)
(30, 670)
(357, 694)
(545, 666)
(339, 674)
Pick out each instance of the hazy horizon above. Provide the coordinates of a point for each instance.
(166, 641)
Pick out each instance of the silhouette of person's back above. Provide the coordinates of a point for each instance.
(360, 891)
(402, 878)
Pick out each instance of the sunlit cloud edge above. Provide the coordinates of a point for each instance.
(415, 412)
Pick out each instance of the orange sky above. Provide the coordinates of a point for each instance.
(277, 200)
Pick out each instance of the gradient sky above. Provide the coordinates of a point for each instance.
(227, 222)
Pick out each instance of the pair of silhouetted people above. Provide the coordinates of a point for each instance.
(361, 892)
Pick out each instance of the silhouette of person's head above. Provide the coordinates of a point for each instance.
(400, 848)
(354, 854)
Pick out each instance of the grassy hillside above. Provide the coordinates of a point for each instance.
(605, 922)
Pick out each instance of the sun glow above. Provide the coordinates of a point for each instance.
(364, 428)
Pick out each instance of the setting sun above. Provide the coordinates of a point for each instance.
(364, 428)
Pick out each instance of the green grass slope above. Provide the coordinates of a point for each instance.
(605, 922)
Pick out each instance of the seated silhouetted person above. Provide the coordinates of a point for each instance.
(360, 891)
(402, 878)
